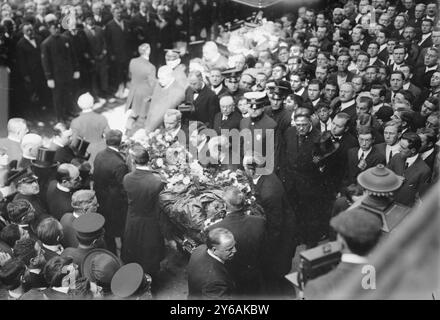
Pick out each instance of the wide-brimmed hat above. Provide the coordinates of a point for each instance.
(99, 266)
(45, 158)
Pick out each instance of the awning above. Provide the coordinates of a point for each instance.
(258, 3)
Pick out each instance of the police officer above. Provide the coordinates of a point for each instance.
(131, 283)
(232, 79)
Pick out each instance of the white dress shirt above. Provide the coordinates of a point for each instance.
(409, 161)
(395, 149)
(325, 126)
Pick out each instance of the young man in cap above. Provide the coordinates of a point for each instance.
(110, 169)
(83, 202)
(90, 125)
(89, 230)
(358, 232)
(208, 277)
(232, 78)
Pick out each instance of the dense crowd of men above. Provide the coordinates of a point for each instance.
(341, 91)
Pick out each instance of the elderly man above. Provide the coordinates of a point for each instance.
(59, 191)
(29, 145)
(17, 128)
(172, 122)
(228, 118)
(167, 94)
(143, 80)
(110, 169)
(90, 125)
(83, 202)
(204, 100)
(173, 60)
(208, 277)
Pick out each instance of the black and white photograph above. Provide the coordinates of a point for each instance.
(236, 151)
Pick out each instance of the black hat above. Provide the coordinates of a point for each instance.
(326, 146)
(384, 113)
(279, 92)
(232, 74)
(27, 178)
(256, 99)
(15, 176)
(79, 146)
(127, 280)
(99, 266)
(89, 226)
(45, 158)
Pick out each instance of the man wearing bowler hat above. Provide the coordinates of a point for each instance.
(89, 230)
(358, 232)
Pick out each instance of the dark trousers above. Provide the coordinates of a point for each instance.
(118, 73)
(63, 95)
(100, 78)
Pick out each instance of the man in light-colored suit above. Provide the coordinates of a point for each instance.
(143, 81)
(17, 128)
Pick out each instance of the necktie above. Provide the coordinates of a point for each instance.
(390, 155)
(362, 157)
(300, 140)
(224, 118)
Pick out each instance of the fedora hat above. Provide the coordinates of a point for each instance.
(45, 158)
(79, 146)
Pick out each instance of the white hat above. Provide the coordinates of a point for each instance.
(85, 101)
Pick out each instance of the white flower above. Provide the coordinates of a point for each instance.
(186, 181)
(159, 162)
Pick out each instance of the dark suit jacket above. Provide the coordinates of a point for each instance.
(58, 59)
(206, 105)
(322, 287)
(280, 227)
(60, 202)
(422, 78)
(63, 154)
(415, 182)
(427, 43)
(108, 174)
(372, 159)
(233, 121)
(208, 278)
(97, 42)
(334, 77)
(249, 234)
(430, 160)
(29, 60)
(118, 42)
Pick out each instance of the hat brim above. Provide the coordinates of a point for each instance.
(86, 265)
(336, 146)
(44, 165)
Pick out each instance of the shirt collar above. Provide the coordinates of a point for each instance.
(55, 142)
(406, 85)
(29, 39)
(218, 89)
(433, 68)
(60, 187)
(345, 105)
(376, 108)
(255, 180)
(14, 295)
(174, 132)
(14, 139)
(214, 256)
(114, 149)
(425, 36)
(353, 258)
(35, 271)
(64, 290)
(300, 91)
(55, 248)
(382, 47)
(427, 153)
(411, 160)
(143, 168)
(366, 153)
(87, 110)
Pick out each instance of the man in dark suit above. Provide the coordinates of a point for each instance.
(228, 118)
(98, 49)
(280, 226)
(119, 51)
(342, 75)
(302, 179)
(59, 191)
(391, 146)
(144, 29)
(410, 165)
(109, 171)
(216, 81)
(31, 70)
(249, 234)
(208, 277)
(61, 69)
(204, 100)
(426, 28)
(101, 16)
(428, 150)
(358, 231)
(61, 144)
(364, 157)
(422, 76)
(408, 71)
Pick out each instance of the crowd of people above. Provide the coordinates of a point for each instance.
(325, 96)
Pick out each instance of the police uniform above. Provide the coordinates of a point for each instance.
(130, 282)
(261, 127)
(233, 75)
(88, 227)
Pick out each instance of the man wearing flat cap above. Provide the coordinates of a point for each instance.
(358, 231)
(89, 230)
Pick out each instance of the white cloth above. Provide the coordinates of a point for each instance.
(353, 258)
(409, 161)
(426, 154)
(60, 187)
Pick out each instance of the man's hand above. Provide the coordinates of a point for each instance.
(51, 83)
(76, 75)
(362, 164)
(118, 246)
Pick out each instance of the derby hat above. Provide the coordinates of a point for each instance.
(45, 158)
